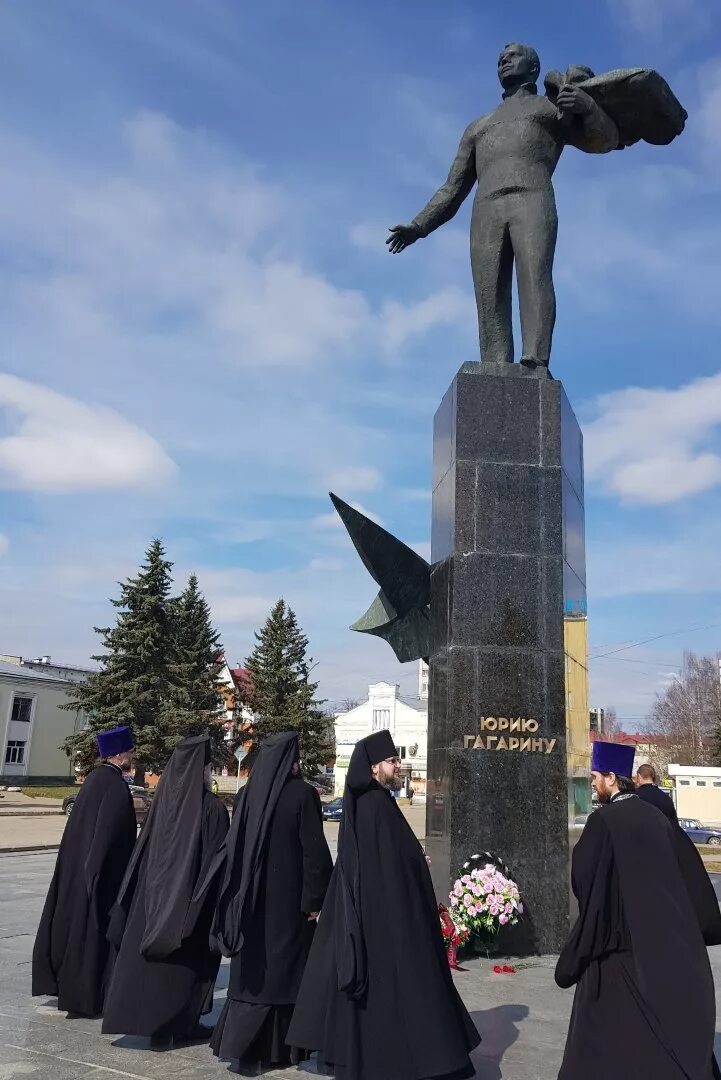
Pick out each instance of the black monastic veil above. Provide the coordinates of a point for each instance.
(246, 841)
(165, 970)
(277, 872)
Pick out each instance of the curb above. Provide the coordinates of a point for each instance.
(29, 813)
(36, 849)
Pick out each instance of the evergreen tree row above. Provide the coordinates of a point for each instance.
(281, 693)
(159, 675)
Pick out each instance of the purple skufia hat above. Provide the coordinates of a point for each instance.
(613, 757)
(116, 741)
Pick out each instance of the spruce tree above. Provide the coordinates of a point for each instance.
(132, 683)
(193, 704)
(281, 693)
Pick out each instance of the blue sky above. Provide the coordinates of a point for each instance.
(203, 333)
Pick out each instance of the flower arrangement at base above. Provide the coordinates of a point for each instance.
(485, 898)
(453, 936)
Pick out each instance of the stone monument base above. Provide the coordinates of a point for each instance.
(508, 709)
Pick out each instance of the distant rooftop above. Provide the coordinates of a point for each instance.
(419, 704)
(31, 674)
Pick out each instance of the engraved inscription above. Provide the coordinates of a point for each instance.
(502, 740)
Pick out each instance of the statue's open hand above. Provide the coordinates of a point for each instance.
(401, 237)
(571, 99)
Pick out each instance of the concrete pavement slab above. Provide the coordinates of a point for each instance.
(522, 1018)
(30, 832)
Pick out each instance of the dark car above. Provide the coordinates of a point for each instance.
(700, 834)
(141, 802)
(333, 810)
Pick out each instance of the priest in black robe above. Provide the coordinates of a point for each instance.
(644, 1004)
(71, 956)
(276, 876)
(165, 971)
(377, 1000)
(698, 883)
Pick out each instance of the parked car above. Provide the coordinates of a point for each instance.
(333, 810)
(700, 834)
(141, 802)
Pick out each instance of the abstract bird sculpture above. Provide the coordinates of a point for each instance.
(400, 614)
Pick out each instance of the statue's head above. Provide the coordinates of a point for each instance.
(518, 64)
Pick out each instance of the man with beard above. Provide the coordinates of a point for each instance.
(276, 875)
(165, 970)
(644, 997)
(356, 1007)
(71, 953)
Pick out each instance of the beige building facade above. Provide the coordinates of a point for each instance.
(32, 724)
(697, 792)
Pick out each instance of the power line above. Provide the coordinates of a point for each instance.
(656, 637)
(632, 660)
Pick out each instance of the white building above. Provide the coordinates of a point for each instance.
(405, 718)
(32, 723)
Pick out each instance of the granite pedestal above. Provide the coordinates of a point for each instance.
(508, 709)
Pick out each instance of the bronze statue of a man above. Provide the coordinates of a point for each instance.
(511, 154)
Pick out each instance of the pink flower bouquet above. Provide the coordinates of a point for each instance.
(483, 899)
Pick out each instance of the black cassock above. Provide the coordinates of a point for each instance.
(698, 883)
(651, 794)
(71, 956)
(265, 974)
(165, 970)
(398, 1015)
(644, 1003)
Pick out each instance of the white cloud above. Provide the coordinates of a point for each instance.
(287, 315)
(422, 548)
(708, 113)
(60, 444)
(630, 687)
(232, 609)
(326, 565)
(331, 521)
(684, 563)
(401, 322)
(4, 544)
(354, 478)
(650, 446)
(415, 495)
(369, 236)
(174, 231)
(654, 18)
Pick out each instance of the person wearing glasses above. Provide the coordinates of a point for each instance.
(356, 1006)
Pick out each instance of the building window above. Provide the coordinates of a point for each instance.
(685, 783)
(700, 783)
(22, 707)
(381, 719)
(401, 751)
(15, 753)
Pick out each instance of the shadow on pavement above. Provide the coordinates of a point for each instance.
(498, 1030)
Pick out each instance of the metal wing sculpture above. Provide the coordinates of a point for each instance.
(400, 614)
(639, 101)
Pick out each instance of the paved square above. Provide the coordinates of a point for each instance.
(521, 1017)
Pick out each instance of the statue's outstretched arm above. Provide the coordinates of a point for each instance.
(446, 201)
